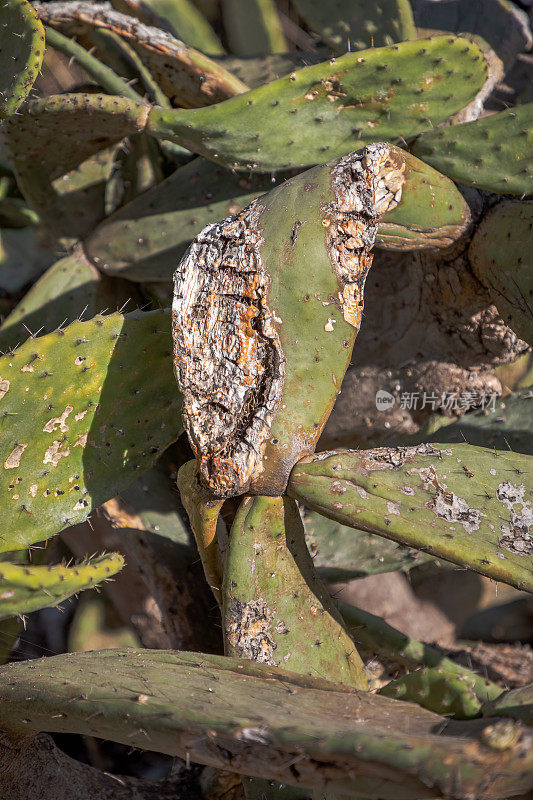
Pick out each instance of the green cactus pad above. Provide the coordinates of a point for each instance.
(500, 254)
(501, 23)
(325, 110)
(506, 425)
(253, 27)
(376, 636)
(216, 708)
(432, 212)
(25, 588)
(179, 17)
(493, 153)
(69, 289)
(21, 53)
(355, 24)
(54, 131)
(465, 504)
(438, 691)
(145, 239)
(53, 137)
(188, 77)
(516, 703)
(87, 409)
(276, 611)
(341, 554)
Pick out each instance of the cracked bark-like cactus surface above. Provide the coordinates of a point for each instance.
(245, 291)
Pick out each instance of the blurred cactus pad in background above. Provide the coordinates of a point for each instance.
(266, 386)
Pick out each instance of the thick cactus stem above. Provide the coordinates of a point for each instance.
(256, 719)
(203, 514)
(236, 303)
(276, 610)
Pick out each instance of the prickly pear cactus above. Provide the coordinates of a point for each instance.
(21, 53)
(327, 109)
(349, 25)
(262, 301)
(299, 629)
(267, 306)
(89, 408)
(192, 702)
(499, 254)
(25, 588)
(437, 691)
(493, 153)
(466, 504)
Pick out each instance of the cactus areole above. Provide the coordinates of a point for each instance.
(267, 305)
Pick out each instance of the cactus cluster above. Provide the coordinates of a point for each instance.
(244, 196)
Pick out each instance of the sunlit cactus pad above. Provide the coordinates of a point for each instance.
(88, 409)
